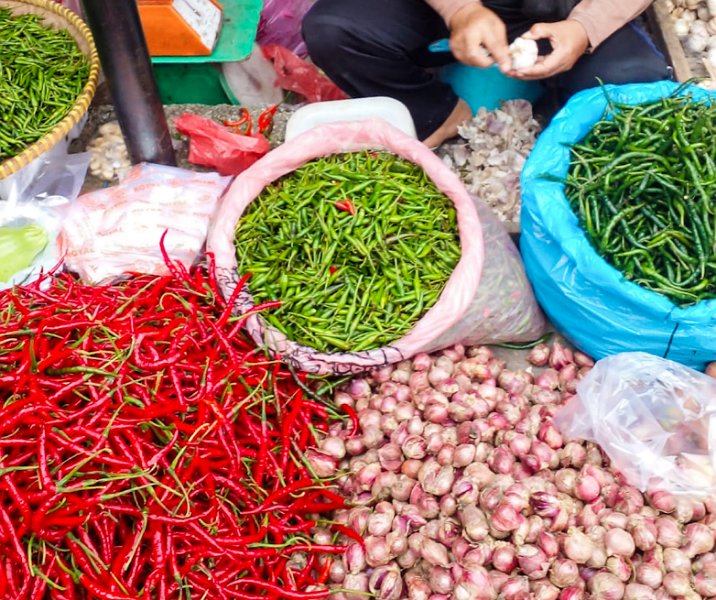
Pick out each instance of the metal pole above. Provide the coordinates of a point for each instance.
(123, 52)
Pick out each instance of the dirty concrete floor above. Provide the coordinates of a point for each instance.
(99, 114)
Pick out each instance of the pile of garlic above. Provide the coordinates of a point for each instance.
(491, 157)
(695, 24)
(109, 158)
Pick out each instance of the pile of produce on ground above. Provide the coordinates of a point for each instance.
(490, 160)
(356, 246)
(642, 184)
(148, 451)
(695, 25)
(42, 72)
(464, 490)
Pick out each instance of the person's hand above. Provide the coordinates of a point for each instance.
(478, 37)
(569, 42)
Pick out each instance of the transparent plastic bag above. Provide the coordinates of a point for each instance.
(486, 299)
(655, 419)
(40, 194)
(47, 214)
(118, 229)
(280, 23)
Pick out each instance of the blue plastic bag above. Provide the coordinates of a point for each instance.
(587, 299)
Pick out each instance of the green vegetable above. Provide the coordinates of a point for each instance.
(642, 184)
(356, 246)
(19, 247)
(42, 72)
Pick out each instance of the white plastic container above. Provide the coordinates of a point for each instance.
(355, 109)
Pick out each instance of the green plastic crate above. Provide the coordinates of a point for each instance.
(198, 79)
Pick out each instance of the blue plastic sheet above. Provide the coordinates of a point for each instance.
(587, 299)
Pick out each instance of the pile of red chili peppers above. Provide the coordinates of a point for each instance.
(147, 450)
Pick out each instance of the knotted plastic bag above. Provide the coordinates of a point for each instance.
(214, 146)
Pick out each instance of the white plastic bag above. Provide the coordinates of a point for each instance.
(118, 229)
(487, 299)
(655, 419)
(47, 214)
(41, 194)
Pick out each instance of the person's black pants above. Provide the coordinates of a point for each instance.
(380, 48)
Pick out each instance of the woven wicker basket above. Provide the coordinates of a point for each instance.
(59, 17)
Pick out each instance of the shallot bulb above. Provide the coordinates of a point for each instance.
(605, 586)
(564, 573)
(504, 559)
(577, 546)
(650, 575)
(636, 591)
(700, 539)
(533, 561)
(677, 584)
(619, 543)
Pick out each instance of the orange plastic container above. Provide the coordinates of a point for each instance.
(181, 27)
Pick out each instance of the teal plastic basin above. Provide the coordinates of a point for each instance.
(485, 88)
(488, 87)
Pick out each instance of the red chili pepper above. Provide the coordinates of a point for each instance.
(353, 416)
(96, 589)
(243, 124)
(265, 120)
(325, 571)
(348, 532)
(345, 205)
(281, 592)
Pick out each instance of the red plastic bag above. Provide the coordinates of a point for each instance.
(296, 75)
(211, 145)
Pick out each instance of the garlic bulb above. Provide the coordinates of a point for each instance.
(692, 4)
(703, 14)
(689, 15)
(696, 43)
(523, 53)
(669, 6)
(711, 56)
(711, 5)
(699, 28)
(109, 158)
(681, 28)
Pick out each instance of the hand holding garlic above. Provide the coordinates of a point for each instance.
(569, 41)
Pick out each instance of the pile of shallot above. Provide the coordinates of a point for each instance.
(463, 489)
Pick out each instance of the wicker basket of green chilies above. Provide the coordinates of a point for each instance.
(373, 248)
(48, 76)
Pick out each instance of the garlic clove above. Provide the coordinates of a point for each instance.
(523, 52)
